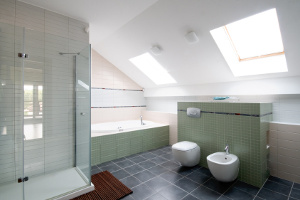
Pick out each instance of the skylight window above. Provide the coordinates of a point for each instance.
(252, 45)
(151, 68)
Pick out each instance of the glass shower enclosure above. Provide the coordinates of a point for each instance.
(44, 115)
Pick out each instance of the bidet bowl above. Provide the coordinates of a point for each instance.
(223, 167)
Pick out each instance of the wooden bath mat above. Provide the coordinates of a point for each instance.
(107, 187)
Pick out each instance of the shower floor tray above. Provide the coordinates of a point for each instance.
(45, 187)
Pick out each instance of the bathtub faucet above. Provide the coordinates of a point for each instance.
(142, 120)
(227, 149)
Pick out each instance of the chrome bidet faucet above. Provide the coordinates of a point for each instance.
(227, 149)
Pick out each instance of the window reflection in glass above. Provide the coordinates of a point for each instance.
(33, 111)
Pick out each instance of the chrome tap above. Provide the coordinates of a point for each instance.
(142, 120)
(227, 149)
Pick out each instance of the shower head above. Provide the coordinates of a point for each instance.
(61, 53)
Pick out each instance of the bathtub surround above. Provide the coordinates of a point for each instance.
(115, 97)
(284, 158)
(243, 126)
(110, 147)
(165, 118)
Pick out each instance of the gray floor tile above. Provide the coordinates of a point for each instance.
(147, 164)
(277, 187)
(186, 184)
(198, 177)
(111, 167)
(134, 169)
(141, 192)
(144, 175)
(295, 193)
(157, 183)
(157, 170)
(173, 193)
(171, 176)
(120, 174)
(246, 187)
(271, 195)
(235, 193)
(130, 181)
(217, 186)
(156, 196)
(137, 159)
(205, 193)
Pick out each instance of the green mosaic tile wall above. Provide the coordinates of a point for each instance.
(246, 135)
(110, 147)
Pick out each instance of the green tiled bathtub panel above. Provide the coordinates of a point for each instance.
(246, 135)
(109, 147)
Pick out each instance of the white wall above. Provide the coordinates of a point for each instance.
(113, 93)
(288, 85)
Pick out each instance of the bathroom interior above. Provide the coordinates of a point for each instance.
(78, 98)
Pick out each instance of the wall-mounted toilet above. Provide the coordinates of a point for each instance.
(187, 153)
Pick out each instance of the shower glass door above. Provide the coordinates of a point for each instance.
(11, 112)
(83, 112)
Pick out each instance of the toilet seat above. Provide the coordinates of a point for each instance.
(184, 146)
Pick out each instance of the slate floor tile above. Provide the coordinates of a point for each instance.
(125, 163)
(158, 160)
(236, 194)
(137, 159)
(141, 192)
(147, 164)
(157, 170)
(246, 187)
(189, 197)
(186, 184)
(217, 186)
(148, 155)
(204, 193)
(120, 174)
(198, 177)
(130, 181)
(271, 195)
(144, 175)
(170, 165)
(156, 196)
(111, 167)
(173, 193)
(295, 193)
(134, 169)
(184, 171)
(171, 176)
(277, 187)
(281, 181)
(157, 183)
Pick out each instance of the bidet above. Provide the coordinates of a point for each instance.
(224, 167)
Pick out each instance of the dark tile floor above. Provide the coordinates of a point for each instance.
(154, 175)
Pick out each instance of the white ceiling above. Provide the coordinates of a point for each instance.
(120, 30)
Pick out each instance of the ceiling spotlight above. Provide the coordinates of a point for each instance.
(191, 37)
(156, 50)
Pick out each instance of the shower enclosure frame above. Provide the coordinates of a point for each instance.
(16, 78)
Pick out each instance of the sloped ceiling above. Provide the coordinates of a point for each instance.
(120, 30)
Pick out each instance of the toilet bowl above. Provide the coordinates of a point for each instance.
(224, 167)
(187, 153)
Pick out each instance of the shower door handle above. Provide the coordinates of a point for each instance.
(82, 113)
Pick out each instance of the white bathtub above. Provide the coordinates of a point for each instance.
(108, 128)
